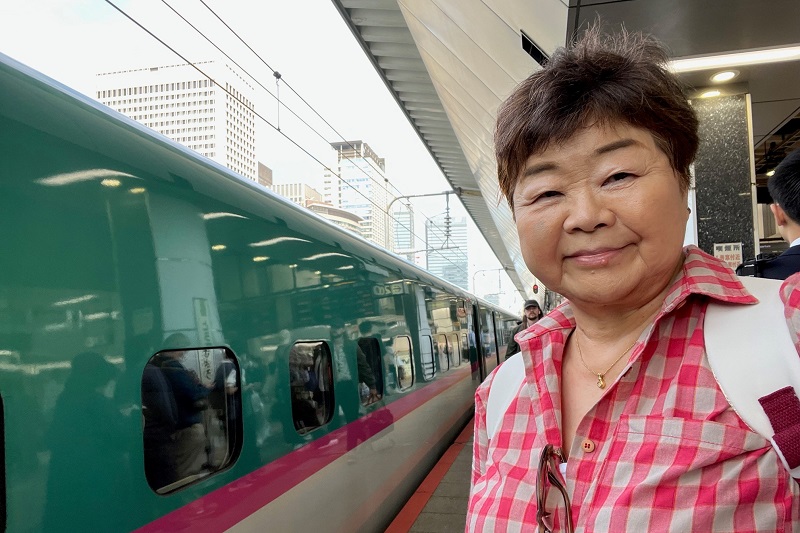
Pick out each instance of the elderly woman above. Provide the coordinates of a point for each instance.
(618, 409)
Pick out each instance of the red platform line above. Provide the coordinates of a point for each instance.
(412, 509)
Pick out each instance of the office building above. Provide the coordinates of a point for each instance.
(340, 217)
(299, 193)
(404, 239)
(215, 120)
(362, 189)
(264, 175)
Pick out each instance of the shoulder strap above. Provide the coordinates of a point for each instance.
(752, 356)
(505, 385)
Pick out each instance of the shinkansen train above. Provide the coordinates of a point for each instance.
(182, 350)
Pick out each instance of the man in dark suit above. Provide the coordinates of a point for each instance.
(784, 187)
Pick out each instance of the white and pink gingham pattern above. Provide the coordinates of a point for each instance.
(670, 454)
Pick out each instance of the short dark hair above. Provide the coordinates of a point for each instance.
(600, 79)
(784, 185)
(365, 327)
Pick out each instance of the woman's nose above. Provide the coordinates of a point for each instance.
(587, 212)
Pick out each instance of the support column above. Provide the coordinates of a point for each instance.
(724, 174)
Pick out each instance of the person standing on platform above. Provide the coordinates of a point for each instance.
(784, 187)
(617, 423)
(530, 315)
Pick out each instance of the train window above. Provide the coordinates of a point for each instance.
(426, 355)
(311, 379)
(455, 349)
(403, 361)
(192, 415)
(372, 350)
(443, 351)
(464, 348)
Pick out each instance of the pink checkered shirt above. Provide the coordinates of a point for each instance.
(669, 452)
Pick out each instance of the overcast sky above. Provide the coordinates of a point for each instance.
(305, 40)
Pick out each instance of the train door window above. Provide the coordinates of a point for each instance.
(403, 361)
(455, 349)
(311, 381)
(370, 368)
(444, 353)
(192, 415)
(464, 348)
(426, 356)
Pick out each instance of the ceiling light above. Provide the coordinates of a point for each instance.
(710, 94)
(82, 175)
(218, 247)
(137, 190)
(725, 75)
(277, 240)
(213, 216)
(323, 255)
(771, 173)
(77, 300)
(110, 182)
(737, 59)
(260, 258)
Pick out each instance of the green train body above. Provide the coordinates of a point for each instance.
(114, 238)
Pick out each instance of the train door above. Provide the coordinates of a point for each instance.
(497, 339)
(479, 362)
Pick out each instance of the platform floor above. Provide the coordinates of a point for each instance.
(439, 505)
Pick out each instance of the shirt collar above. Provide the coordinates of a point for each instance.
(702, 274)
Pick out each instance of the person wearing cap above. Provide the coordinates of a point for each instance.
(530, 315)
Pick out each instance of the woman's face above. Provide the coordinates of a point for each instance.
(601, 218)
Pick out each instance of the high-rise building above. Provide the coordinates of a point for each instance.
(189, 108)
(404, 239)
(362, 189)
(446, 244)
(345, 219)
(299, 193)
(264, 175)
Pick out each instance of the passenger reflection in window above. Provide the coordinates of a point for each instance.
(343, 351)
(192, 425)
(225, 406)
(311, 384)
(88, 457)
(372, 346)
(403, 361)
(191, 399)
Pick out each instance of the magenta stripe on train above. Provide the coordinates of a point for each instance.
(228, 505)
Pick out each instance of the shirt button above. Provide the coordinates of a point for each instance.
(587, 445)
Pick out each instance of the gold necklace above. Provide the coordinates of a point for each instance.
(601, 382)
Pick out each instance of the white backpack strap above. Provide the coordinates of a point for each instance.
(506, 383)
(751, 354)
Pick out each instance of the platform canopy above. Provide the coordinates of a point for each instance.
(450, 64)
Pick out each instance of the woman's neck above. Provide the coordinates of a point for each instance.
(624, 322)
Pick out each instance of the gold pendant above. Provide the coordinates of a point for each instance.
(601, 383)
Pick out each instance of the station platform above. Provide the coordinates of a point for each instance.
(439, 504)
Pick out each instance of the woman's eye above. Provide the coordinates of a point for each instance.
(547, 194)
(619, 176)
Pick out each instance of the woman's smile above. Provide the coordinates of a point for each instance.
(596, 257)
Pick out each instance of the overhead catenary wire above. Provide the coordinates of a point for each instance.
(311, 107)
(235, 97)
(434, 227)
